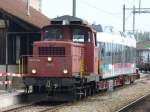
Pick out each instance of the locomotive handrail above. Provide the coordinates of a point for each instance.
(43, 56)
(22, 69)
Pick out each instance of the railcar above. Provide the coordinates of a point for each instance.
(144, 67)
(73, 60)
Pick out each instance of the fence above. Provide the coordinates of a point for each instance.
(11, 80)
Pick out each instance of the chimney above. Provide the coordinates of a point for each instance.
(74, 8)
(28, 7)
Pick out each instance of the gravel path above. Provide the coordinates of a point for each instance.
(111, 103)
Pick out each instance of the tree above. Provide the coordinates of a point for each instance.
(142, 36)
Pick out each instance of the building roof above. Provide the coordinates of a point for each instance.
(18, 9)
(143, 45)
(98, 28)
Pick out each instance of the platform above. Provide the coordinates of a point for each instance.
(8, 98)
(18, 97)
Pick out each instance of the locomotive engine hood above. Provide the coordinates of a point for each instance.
(54, 59)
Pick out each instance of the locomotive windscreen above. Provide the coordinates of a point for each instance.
(53, 33)
(80, 35)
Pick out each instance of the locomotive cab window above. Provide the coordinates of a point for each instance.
(53, 34)
(95, 39)
(79, 35)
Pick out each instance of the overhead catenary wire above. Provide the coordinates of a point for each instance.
(128, 16)
(98, 9)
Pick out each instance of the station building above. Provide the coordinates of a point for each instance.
(18, 31)
(143, 52)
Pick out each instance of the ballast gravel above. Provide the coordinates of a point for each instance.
(111, 102)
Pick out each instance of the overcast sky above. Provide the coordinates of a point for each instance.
(105, 12)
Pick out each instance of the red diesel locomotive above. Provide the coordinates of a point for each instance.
(67, 61)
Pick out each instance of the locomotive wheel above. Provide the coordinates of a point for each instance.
(89, 91)
(76, 93)
(35, 89)
(39, 89)
(26, 89)
(92, 91)
(85, 92)
(81, 92)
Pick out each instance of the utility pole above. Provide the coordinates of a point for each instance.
(139, 6)
(124, 18)
(134, 11)
(133, 19)
(6, 50)
(74, 8)
(28, 7)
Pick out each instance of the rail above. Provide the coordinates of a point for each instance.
(133, 104)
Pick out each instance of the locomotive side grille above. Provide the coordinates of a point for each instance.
(52, 51)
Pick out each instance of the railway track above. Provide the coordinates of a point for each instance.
(51, 106)
(42, 106)
(46, 106)
(139, 105)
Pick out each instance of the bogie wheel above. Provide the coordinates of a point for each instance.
(93, 90)
(35, 89)
(89, 91)
(76, 93)
(85, 92)
(26, 89)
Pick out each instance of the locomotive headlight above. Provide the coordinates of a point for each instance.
(49, 59)
(34, 71)
(65, 71)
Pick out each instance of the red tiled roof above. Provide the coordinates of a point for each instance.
(18, 9)
(143, 45)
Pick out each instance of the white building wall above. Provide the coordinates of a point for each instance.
(146, 56)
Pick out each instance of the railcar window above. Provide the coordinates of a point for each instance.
(127, 54)
(109, 50)
(134, 55)
(53, 34)
(120, 53)
(103, 51)
(80, 36)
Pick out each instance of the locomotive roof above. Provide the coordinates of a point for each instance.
(117, 39)
(69, 19)
(58, 25)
